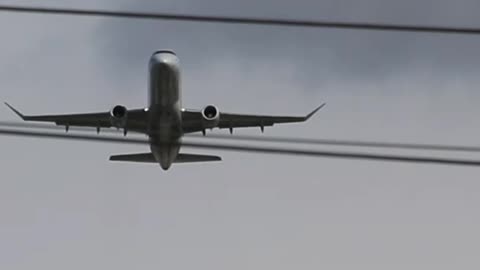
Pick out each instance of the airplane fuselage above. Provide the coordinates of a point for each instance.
(165, 119)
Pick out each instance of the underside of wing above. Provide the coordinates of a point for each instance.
(193, 122)
(134, 120)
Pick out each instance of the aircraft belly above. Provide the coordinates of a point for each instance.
(165, 124)
(165, 133)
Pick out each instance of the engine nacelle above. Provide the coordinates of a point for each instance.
(118, 116)
(210, 116)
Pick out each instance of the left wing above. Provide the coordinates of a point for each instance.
(136, 121)
(192, 120)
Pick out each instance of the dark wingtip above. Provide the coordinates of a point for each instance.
(15, 110)
(315, 111)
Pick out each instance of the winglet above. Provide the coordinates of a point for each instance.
(15, 111)
(314, 111)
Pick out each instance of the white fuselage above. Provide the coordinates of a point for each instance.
(165, 120)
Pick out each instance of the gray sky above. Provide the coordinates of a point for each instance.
(63, 205)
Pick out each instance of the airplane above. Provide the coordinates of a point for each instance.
(164, 121)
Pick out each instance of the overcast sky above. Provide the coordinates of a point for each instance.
(64, 206)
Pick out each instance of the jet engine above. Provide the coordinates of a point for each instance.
(118, 116)
(210, 116)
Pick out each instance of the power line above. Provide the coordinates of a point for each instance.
(343, 143)
(270, 139)
(241, 20)
(250, 149)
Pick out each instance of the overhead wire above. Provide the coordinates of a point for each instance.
(268, 139)
(248, 149)
(267, 22)
(240, 20)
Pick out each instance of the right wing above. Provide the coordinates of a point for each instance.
(192, 120)
(136, 120)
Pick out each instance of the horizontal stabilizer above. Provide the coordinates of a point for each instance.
(186, 158)
(143, 157)
(149, 158)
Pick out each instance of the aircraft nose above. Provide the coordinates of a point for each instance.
(164, 58)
